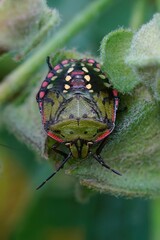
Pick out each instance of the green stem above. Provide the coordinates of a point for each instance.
(17, 79)
(138, 14)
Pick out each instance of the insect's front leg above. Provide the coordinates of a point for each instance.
(101, 146)
(55, 149)
(99, 159)
(57, 170)
(61, 165)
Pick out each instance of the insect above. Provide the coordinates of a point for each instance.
(78, 107)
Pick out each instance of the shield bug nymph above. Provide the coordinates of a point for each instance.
(78, 107)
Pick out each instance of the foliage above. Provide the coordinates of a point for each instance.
(131, 60)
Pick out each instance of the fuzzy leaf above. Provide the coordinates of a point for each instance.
(114, 49)
(24, 24)
(132, 149)
(144, 55)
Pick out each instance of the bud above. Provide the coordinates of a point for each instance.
(24, 24)
(144, 55)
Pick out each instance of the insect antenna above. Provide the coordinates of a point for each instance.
(49, 63)
(61, 166)
(100, 160)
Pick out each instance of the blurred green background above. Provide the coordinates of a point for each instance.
(55, 212)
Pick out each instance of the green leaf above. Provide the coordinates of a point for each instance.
(144, 55)
(24, 24)
(132, 149)
(114, 49)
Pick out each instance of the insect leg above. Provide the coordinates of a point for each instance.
(100, 160)
(54, 148)
(101, 146)
(61, 166)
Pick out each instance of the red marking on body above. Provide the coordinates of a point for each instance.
(40, 104)
(50, 74)
(41, 94)
(58, 139)
(44, 84)
(91, 61)
(104, 135)
(64, 61)
(57, 67)
(115, 93)
(98, 65)
(77, 73)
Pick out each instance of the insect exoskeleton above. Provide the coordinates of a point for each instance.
(78, 107)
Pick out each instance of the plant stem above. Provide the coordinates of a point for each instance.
(17, 79)
(138, 14)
